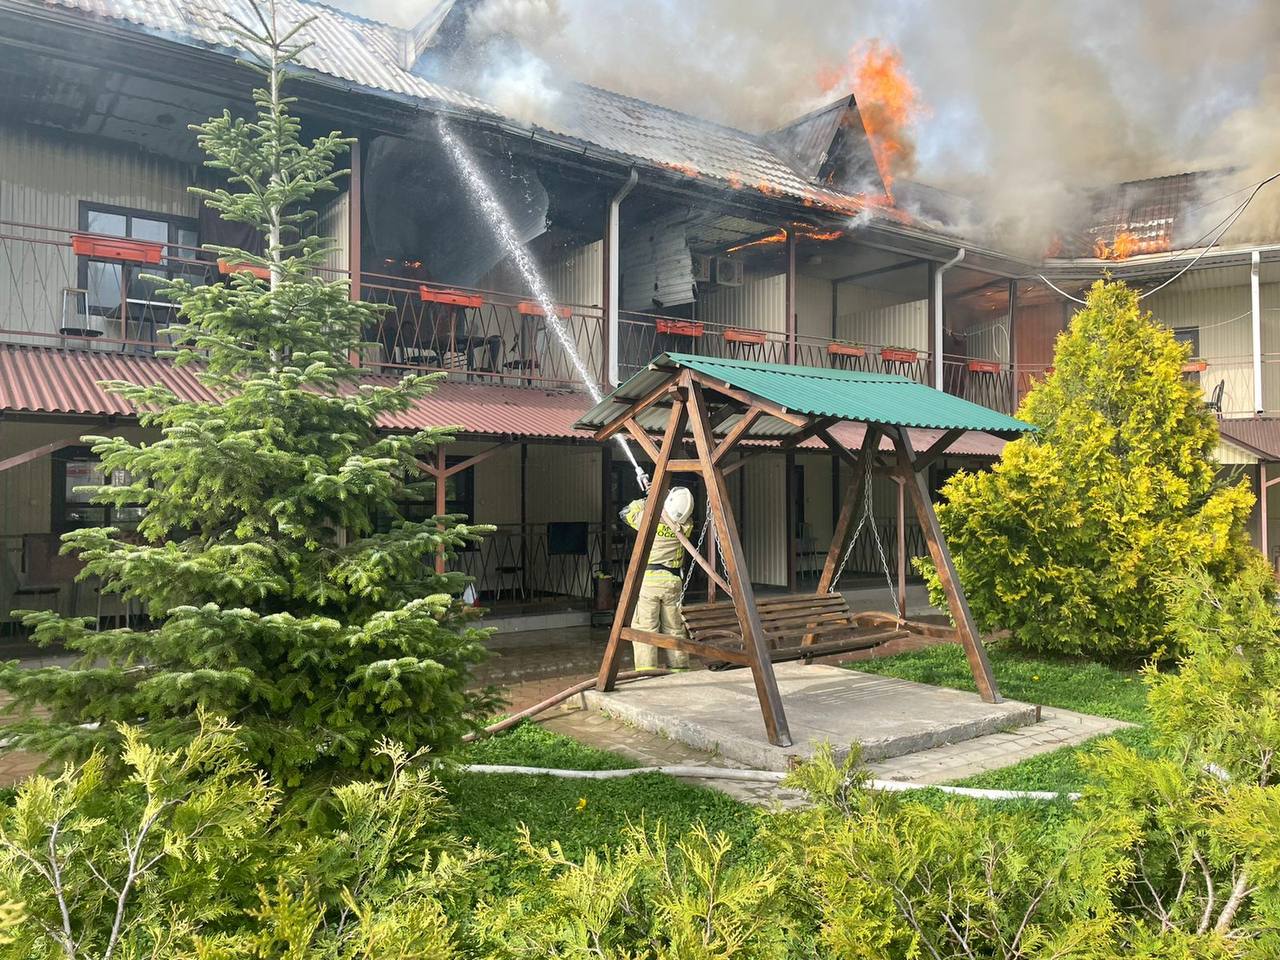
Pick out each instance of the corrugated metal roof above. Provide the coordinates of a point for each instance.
(57, 381)
(47, 380)
(351, 48)
(812, 391)
(371, 55)
(1259, 435)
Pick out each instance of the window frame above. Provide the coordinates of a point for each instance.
(59, 504)
(175, 223)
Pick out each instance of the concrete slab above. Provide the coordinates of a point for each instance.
(717, 712)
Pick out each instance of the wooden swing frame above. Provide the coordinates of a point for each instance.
(690, 395)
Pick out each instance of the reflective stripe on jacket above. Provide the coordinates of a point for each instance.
(666, 550)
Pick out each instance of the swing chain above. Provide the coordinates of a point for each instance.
(702, 536)
(866, 515)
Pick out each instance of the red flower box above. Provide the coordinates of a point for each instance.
(456, 298)
(229, 267)
(757, 337)
(1195, 366)
(984, 366)
(899, 355)
(683, 328)
(116, 248)
(845, 350)
(530, 309)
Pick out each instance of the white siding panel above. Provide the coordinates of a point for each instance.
(334, 224)
(577, 280)
(813, 307)
(759, 304)
(899, 325)
(763, 520)
(656, 265)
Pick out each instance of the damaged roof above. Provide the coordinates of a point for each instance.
(1142, 216)
(377, 57)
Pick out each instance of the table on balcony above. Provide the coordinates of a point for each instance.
(448, 338)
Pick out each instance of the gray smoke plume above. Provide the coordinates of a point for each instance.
(1029, 103)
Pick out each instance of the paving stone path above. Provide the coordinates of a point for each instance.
(1056, 729)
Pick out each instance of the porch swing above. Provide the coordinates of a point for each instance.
(715, 405)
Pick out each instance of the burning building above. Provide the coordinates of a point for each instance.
(654, 230)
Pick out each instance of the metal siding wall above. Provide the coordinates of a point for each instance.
(578, 279)
(656, 265)
(813, 306)
(43, 178)
(1223, 317)
(855, 298)
(759, 304)
(763, 520)
(899, 325)
(989, 341)
(334, 223)
(564, 483)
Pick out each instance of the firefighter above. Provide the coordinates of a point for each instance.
(658, 607)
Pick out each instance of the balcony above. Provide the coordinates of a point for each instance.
(87, 291)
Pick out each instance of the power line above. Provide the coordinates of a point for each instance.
(1218, 231)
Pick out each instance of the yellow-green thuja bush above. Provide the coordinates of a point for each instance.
(1075, 539)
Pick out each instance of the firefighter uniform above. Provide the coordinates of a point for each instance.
(658, 607)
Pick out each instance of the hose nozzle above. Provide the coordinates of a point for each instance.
(642, 478)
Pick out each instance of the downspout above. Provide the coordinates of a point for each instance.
(937, 315)
(1255, 310)
(611, 308)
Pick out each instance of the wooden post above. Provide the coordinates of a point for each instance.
(607, 508)
(1262, 512)
(902, 547)
(441, 500)
(979, 665)
(789, 485)
(744, 601)
(631, 583)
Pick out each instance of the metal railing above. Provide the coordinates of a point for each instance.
(540, 562)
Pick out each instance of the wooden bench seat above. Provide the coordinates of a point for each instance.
(825, 619)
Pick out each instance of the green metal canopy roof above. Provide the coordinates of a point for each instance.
(875, 398)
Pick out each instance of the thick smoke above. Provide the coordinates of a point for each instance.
(1028, 104)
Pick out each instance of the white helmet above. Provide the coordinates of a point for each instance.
(679, 504)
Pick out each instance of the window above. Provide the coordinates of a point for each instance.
(77, 467)
(106, 281)
(1189, 335)
(459, 494)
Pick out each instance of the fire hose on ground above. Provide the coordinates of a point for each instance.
(701, 772)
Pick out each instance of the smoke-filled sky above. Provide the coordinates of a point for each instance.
(1022, 99)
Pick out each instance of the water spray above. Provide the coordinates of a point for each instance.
(485, 198)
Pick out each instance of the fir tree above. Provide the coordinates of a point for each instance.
(273, 590)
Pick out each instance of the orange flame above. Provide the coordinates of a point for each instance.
(688, 169)
(1125, 244)
(888, 103)
(803, 231)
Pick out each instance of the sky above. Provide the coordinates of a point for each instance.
(1019, 101)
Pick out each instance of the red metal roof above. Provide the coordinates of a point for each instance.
(58, 381)
(1260, 435)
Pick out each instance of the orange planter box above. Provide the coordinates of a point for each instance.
(530, 309)
(756, 337)
(1195, 366)
(456, 298)
(845, 350)
(899, 355)
(984, 366)
(229, 267)
(683, 328)
(113, 248)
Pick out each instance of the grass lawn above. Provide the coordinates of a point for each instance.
(1071, 684)
(581, 814)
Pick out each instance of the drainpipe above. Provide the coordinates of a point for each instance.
(937, 316)
(1255, 309)
(611, 316)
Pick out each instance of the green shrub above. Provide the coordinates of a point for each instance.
(1076, 538)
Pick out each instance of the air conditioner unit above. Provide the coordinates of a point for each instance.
(701, 268)
(728, 272)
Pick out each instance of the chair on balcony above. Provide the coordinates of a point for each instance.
(1214, 402)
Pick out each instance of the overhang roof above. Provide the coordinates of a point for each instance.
(61, 382)
(1258, 435)
(850, 395)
